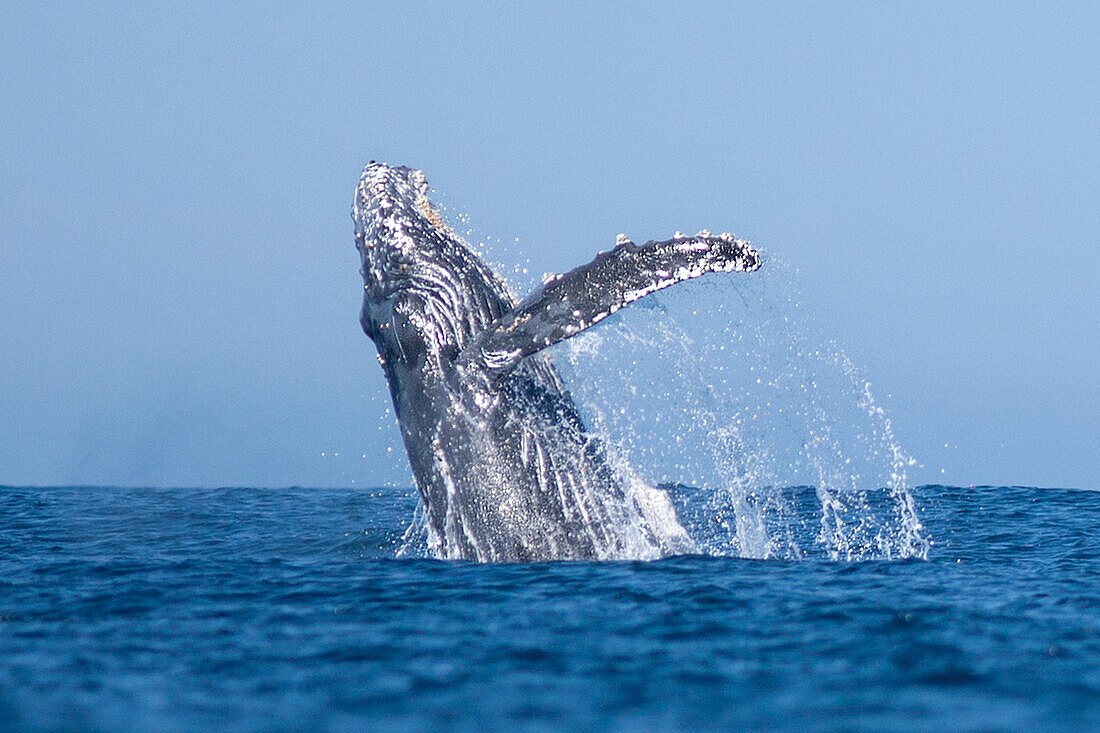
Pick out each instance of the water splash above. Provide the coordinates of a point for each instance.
(414, 540)
(768, 437)
(720, 390)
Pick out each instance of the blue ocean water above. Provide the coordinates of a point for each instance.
(264, 609)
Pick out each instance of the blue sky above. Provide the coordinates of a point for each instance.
(178, 285)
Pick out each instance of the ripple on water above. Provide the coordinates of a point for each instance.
(140, 623)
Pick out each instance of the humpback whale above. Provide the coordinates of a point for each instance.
(505, 467)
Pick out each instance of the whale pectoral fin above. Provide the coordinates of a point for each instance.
(568, 304)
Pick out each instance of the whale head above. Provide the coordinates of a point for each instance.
(417, 271)
(397, 230)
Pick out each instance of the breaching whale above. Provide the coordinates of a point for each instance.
(503, 462)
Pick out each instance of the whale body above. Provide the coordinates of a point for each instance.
(504, 465)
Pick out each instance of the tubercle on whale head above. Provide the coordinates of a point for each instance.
(396, 226)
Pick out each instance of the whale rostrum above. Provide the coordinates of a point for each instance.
(504, 465)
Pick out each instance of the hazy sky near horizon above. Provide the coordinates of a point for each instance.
(178, 281)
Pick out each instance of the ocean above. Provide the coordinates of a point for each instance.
(243, 609)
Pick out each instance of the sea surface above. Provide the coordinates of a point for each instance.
(287, 609)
